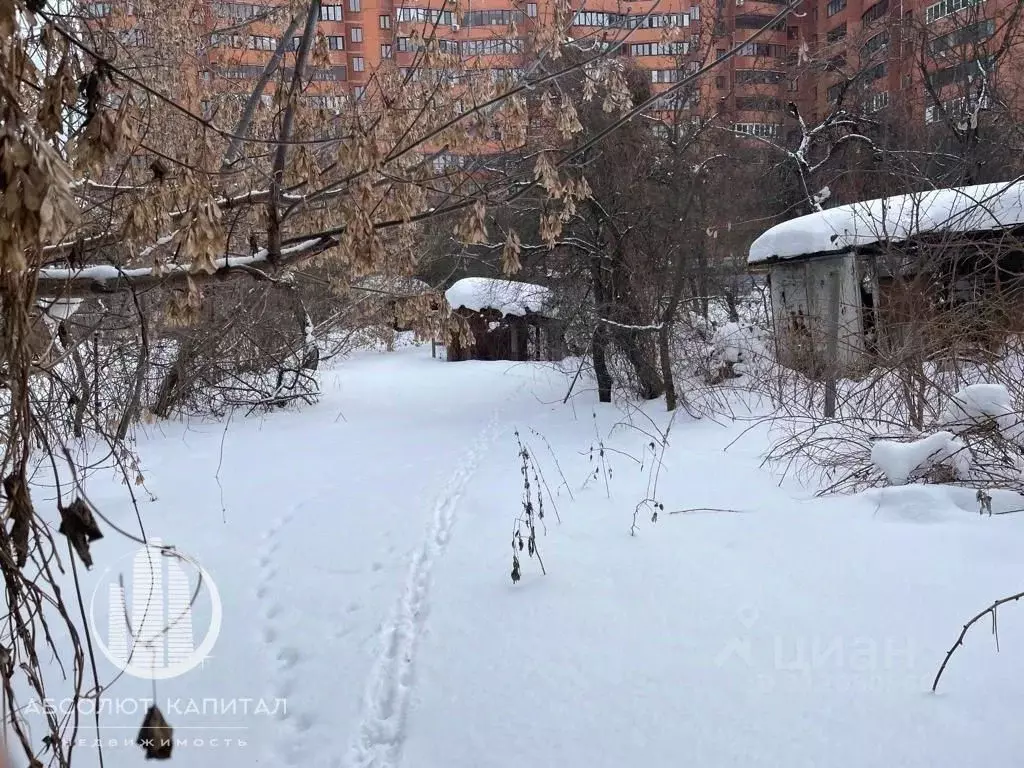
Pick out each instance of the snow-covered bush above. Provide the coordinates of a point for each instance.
(940, 455)
(975, 400)
(979, 405)
(735, 347)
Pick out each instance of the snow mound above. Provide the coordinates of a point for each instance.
(979, 208)
(505, 296)
(979, 403)
(898, 461)
(737, 343)
(928, 504)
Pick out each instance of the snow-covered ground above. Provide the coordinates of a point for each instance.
(361, 551)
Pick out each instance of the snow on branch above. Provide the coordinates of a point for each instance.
(107, 278)
(627, 327)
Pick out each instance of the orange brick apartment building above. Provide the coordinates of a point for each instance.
(803, 59)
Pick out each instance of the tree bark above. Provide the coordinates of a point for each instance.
(599, 344)
(665, 353)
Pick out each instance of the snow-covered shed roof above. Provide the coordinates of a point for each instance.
(398, 287)
(979, 208)
(505, 296)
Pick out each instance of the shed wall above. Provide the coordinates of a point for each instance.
(802, 299)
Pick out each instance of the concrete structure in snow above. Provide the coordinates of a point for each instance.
(876, 276)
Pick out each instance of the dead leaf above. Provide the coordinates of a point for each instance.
(79, 525)
(156, 737)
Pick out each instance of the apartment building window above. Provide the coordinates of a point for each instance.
(664, 75)
(240, 11)
(333, 102)
(760, 130)
(355, 6)
(358, 91)
(403, 44)
(356, 34)
(958, 72)
(759, 77)
(674, 101)
(961, 106)
(695, 12)
(764, 50)
(241, 72)
(262, 43)
(834, 92)
(336, 42)
(490, 18)
(99, 9)
(216, 40)
(720, 53)
(505, 76)
(596, 19)
(585, 18)
(294, 43)
(531, 10)
(876, 72)
(720, 83)
(137, 37)
(425, 16)
(659, 49)
(385, 21)
(875, 44)
(876, 101)
(970, 34)
(875, 12)
(836, 64)
(834, 7)
(330, 13)
(385, 50)
(657, 20)
(758, 104)
(661, 131)
(946, 7)
(358, 64)
(836, 33)
(490, 47)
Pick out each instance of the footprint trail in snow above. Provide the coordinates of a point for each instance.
(290, 727)
(381, 730)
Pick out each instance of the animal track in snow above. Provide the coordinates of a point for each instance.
(284, 659)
